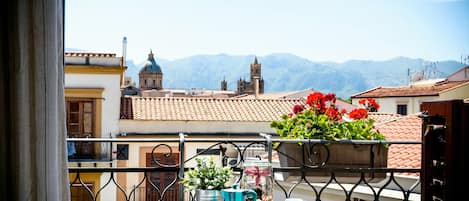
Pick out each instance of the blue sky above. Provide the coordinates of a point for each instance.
(316, 30)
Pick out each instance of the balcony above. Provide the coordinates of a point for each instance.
(149, 168)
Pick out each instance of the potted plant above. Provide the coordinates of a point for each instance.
(207, 179)
(319, 118)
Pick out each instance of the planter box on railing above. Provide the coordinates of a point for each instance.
(327, 156)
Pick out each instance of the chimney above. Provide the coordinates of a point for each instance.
(124, 50)
(256, 87)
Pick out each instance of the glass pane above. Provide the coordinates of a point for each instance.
(74, 118)
(87, 122)
(87, 107)
(74, 106)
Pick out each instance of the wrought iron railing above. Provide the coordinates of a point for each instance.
(158, 178)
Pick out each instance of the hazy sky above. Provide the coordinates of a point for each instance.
(316, 30)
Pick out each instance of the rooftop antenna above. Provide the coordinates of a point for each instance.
(408, 76)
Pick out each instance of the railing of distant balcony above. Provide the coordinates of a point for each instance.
(242, 146)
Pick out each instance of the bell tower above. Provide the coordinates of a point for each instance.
(224, 85)
(255, 70)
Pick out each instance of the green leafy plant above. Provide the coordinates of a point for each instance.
(319, 118)
(206, 176)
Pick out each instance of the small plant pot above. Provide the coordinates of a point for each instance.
(324, 158)
(208, 195)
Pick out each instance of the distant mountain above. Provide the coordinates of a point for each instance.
(287, 72)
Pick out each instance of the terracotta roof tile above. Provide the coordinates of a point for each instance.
(407, 128)
(381, 117)
(208, 109)
(405, 91)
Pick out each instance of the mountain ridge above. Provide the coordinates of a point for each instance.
(289, 72)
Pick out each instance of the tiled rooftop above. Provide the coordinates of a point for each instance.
(208, 109)
(381, 117)
(407, 128)
(405, 91)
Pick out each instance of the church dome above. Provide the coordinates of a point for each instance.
(150, 65)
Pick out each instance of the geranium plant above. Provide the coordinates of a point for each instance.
(319, 118)
(206, 176)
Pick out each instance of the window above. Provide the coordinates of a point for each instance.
(80, 118)
(402, 109)
(145, 83)
(154, 83)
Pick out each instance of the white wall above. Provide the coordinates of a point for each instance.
(111, 95)
(193, 126)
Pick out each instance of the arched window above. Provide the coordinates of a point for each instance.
(154, 83)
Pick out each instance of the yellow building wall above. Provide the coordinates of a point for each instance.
(87, 178)
(461, 92)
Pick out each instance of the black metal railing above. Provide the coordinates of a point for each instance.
(156, 175)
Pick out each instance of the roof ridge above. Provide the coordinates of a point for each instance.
(92, 54)
(216, 99)
(360, 93)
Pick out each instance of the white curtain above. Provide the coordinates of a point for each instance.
(33, 163)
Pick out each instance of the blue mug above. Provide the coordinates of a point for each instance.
(232, 194)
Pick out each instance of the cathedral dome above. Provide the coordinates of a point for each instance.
(150, 65)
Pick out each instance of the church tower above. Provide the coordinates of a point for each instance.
(150, 76)
(255, 70)
(224, 85)
(245, 87)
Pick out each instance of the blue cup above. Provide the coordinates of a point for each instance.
(232, 194)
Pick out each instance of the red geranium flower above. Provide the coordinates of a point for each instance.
(317, 101)
(298, 108)
(359, 113)
(362, 101)
(370, 104)
(333, 114)
(330, 97)
(343, 111)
